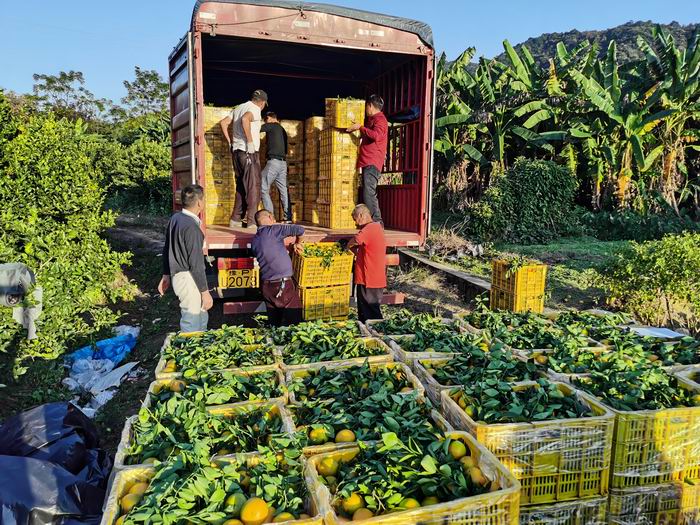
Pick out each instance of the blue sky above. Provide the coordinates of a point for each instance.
(106, 39)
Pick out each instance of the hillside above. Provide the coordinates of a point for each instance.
(544, 46)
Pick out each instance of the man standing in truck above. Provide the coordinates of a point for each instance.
(245, 145)
(275, 171)
(374, 134)
(369, 245)
(183, 262)
(278, 287)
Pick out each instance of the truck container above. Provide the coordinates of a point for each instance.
(300, 54)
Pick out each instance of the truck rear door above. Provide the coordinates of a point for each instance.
(182, 114)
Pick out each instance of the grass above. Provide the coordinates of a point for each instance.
(573, 263)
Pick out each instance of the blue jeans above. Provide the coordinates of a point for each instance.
(276, 172)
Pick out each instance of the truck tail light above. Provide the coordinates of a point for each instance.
(236, 263)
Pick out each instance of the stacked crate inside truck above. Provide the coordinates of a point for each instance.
(338, 178)
(219, 180)
(312, 150)
(295, 165)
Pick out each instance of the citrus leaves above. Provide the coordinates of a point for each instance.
(307, 332)
(227, 347)
(218, 388)
(492, 401)
(325, 252)
(405, 322)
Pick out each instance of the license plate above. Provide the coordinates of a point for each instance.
(239, 278)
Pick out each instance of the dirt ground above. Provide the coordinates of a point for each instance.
(158, 316)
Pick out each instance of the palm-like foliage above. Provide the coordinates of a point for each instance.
(619, 127)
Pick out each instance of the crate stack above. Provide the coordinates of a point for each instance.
(324, 285)
(312, 149)
(219, 179)
(338, 178)
(295, 165)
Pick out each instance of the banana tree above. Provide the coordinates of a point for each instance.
(628, 118)
(677, 72)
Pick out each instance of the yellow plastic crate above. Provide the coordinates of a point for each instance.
(311, 212)
(314, 124)
(310, 271)
(124, 479)
(521, 291)
(654, 504)
(310, 191)
(295, 152)
(652, 447)
(295, 171)
(336, 216)
(500, 507)
(218, 212)
(554, 460)
(337, 191)
(590, 511)
(690, 502)
(338, 153)
(331, 302)
(344, 112)
(294, 129)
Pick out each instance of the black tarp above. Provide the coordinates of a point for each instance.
(421, 29)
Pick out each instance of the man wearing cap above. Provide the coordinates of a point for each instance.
(244, 145)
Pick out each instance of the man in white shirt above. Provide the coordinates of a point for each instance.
(245, 145)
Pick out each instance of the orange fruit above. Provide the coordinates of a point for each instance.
(457, 449)
(138, 488)
(477, 476)
(362, 514)
(149, 461)
(409, 503)
(318, 436)
(328, 467)
(345, 436)
(254, 512)
(283, 516)
(541, 359)
(467, 462)
(233, 522)
(120, 520)
(353, 502)
(128, 502)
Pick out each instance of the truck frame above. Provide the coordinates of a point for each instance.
(301, 53)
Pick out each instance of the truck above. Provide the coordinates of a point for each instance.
(300, 53)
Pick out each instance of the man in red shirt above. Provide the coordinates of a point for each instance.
(375, 134)
(370, 267)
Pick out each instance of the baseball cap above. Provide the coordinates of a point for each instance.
(259, 94)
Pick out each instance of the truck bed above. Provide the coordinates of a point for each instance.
(226, 238)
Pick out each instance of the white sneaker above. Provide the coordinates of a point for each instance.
(252, 228)
(235, 224)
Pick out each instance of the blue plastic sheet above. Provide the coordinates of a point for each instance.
(114, 349)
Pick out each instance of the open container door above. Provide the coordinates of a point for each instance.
(182, 114)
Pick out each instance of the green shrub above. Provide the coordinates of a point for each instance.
(657, 281)
(51, 220)
(533, 202)
(631, 225)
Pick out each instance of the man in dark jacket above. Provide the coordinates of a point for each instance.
(373, 147)
(183, 262)
(278, 288)
(275, 171)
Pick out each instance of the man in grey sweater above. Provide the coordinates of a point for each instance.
(183, 262)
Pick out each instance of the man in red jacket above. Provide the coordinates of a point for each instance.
(370, 266)
(372, 152)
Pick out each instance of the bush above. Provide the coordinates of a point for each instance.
(631, 225)
(51, 220)
(657, 281)
(533, 202)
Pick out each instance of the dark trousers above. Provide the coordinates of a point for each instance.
(283, 309)
(247, 168)
(368, 303)
(370, 180)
